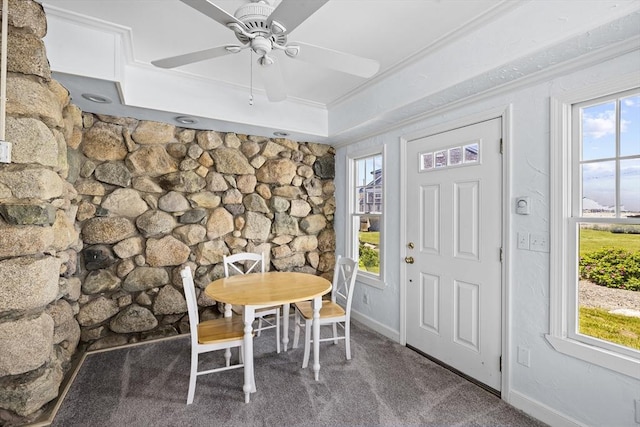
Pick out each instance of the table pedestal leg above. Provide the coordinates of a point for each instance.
(316, 305)
(249, 380)
(285, 325)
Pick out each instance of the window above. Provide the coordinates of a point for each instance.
(595, 219)
(366, 210)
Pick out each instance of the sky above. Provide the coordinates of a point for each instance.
(599, 148)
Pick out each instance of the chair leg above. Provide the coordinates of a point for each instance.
(259, 326)
(347, 338)
(278, 331)
(307, 343)
(192, 377)
(296, 330)
(335, 333)
(227, 356)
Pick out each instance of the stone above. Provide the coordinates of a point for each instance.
(281, 251)
(28, 213)
(328, 188)
(325, 167)
(24, 240)
(276, 171)
(169, 301)
(257, 162)
(313, 224)
(205, 160)
(151, 161)
(133, 318)
(247, 184)
(144, 278)
(173, 202)
(97, 257)
(318, 150)
(115, 173)
(176, 150)
(143, 299)
(125, 202)
(70, 288)
(220, 222)
(305, 171)
(282, 239)
(166, 251)
(191, 234)
(186, 135)
(185, 182)
(299, 208)
(211, 252)
(289, 263)
(93, 333)
(232, 197)
(89, 187)
(279, 204)
(264, 191)
(100, 281)
(250, 149)
(285, 224)
(216, 182)
(33, 142)
(189, 165)
(29, 97)
(108, 342)
(327, 261)
(271, 149)
(255, 203)
(155, 223)
(208, 140)
(146, 184)
(291, 145)
(329, 207)
(235, 242)
(129, 247)
(31, 182)
(28, 16)
(27, 282)
(327, 240)
(205, 199)
(97, 311)
(26, 344)
(33, 390)
(104, 142)
(313, 258)
(231, 161)
(64, 231)
(193, 216)
(65, 326)
(304, 243)
(125, 267)
(148, 132)
(313, 186)
(107, 230)
(288, 192)
(194, 151)
(231, 140)
(257, 227)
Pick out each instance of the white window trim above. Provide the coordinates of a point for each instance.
(561, 268)
(351, 228)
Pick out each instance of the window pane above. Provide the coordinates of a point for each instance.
(369, 244)
(630, 126)
(609, 279)
(599, 189)
(599, 131)
(630, 188)
(368, 184)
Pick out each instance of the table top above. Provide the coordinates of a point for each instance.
(272, 288)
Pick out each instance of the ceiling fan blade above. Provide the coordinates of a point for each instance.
(189, 58)
(291, 13)
(273, 82)
(340, 61)
(214, 12)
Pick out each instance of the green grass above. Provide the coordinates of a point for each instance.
(615, 328)
(593, 240)
(371, 237)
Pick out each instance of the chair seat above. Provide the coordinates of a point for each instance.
(220, 330)
(329, 309)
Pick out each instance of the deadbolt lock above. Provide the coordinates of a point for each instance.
(408, 260)
(410, 245)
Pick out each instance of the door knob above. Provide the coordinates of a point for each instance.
(408, 260)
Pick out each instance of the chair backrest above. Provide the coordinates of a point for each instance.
(192, 302)
(243, 263)
(344, 280)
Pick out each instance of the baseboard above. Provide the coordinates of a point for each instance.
(376, 326)
(541, 411)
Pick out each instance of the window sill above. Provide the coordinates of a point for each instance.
(370, 280)
(607, 359)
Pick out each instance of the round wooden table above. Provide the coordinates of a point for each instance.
(256, 290)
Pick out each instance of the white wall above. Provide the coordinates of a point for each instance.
(556, 388)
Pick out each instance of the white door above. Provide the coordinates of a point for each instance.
(454, 205)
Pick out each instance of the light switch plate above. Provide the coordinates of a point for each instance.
(5, 152)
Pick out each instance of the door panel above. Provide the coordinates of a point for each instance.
(454, 205)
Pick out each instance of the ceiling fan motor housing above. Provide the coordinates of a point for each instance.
(254, 15)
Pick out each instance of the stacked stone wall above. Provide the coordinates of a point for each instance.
(153, 198)
(39, 242)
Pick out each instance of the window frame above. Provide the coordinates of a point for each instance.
(564, 236)
(353, 217)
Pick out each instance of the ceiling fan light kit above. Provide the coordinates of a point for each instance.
(264, 29)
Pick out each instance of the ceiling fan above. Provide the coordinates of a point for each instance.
(265, 29)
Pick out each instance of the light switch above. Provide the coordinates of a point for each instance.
(523, 205)
(5, 152)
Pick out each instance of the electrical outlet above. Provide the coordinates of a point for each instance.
(365, 299)
(523, 241)
(5, 152)
(539, 242)
(524, 356)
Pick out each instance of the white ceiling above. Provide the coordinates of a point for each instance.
(105, 47)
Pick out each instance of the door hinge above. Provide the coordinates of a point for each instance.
(500, 363)
(501, 146)
(501, 255)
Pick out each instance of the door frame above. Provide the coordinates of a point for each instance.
(505, 114)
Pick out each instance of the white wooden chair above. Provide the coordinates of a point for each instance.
(247, 263)
(334, 312)
(210, 335)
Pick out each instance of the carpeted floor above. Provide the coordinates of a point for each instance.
(384, 384)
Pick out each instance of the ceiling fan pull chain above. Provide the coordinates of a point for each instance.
(250, 77)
